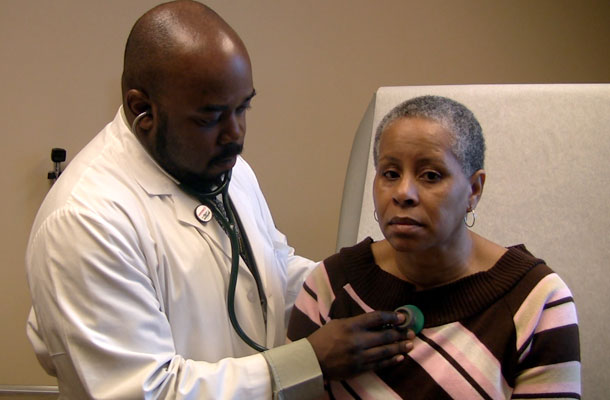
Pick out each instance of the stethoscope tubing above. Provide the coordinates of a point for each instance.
(229, 226)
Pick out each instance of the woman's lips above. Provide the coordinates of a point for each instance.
(404, 221)
(404, 225)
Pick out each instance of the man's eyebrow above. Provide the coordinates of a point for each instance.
(251, 96)
(222, 107)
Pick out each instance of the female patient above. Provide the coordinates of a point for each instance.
(499, 323)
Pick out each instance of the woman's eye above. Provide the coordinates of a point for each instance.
(431, 176)
(390, 174)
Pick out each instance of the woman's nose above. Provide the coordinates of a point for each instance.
(406, 193)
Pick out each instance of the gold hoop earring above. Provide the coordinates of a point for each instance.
(474, 218)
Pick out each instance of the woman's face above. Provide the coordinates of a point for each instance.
(421, 193)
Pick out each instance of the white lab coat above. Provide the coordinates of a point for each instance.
(129, 289)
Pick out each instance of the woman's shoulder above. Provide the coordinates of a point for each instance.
(336, 267)
(519, 254)
(531, 274)
(356, 254)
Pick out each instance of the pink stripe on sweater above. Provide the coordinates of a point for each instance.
(371, 386)
(535, 380)
(473, 356)
(560, 293)
(348, 288)
(442, 371)
(555, 317)
(319, 283)
(529, 314)
(308, 306)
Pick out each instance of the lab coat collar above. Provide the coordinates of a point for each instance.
(149, 175)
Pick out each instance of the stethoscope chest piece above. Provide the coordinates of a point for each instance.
(203, 213)
(414, 318)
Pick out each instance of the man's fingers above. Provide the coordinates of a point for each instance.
(374, 339)
(378, 319)
(387, 351)
(344, 348)
(384, 336)
(385, 356)
(390, 362)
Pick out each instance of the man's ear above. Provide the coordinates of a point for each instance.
(137, 102)
(477, 182)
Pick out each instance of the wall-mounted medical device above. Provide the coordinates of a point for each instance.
(57, 156)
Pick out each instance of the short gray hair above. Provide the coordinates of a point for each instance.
(468, 144)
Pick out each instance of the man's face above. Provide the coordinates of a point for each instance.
(201, 118)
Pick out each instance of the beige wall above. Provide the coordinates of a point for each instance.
(316, 65)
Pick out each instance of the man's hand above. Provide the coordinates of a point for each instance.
(349, 346)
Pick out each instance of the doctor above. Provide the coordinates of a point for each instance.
(129, 273)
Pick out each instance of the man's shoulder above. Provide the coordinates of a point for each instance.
(95, 181)
(243, 174)
(244, 183)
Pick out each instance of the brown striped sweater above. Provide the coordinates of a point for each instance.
(509, 332)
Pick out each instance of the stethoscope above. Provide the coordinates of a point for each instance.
(228, 224)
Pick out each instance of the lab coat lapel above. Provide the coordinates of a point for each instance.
(185, 213)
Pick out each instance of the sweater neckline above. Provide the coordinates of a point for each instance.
(441, 305)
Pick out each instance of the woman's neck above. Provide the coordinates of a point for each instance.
(439, 266)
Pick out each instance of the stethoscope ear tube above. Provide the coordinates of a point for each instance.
(414, 318)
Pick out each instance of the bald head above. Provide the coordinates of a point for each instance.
(162, 39)
(186, 72)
